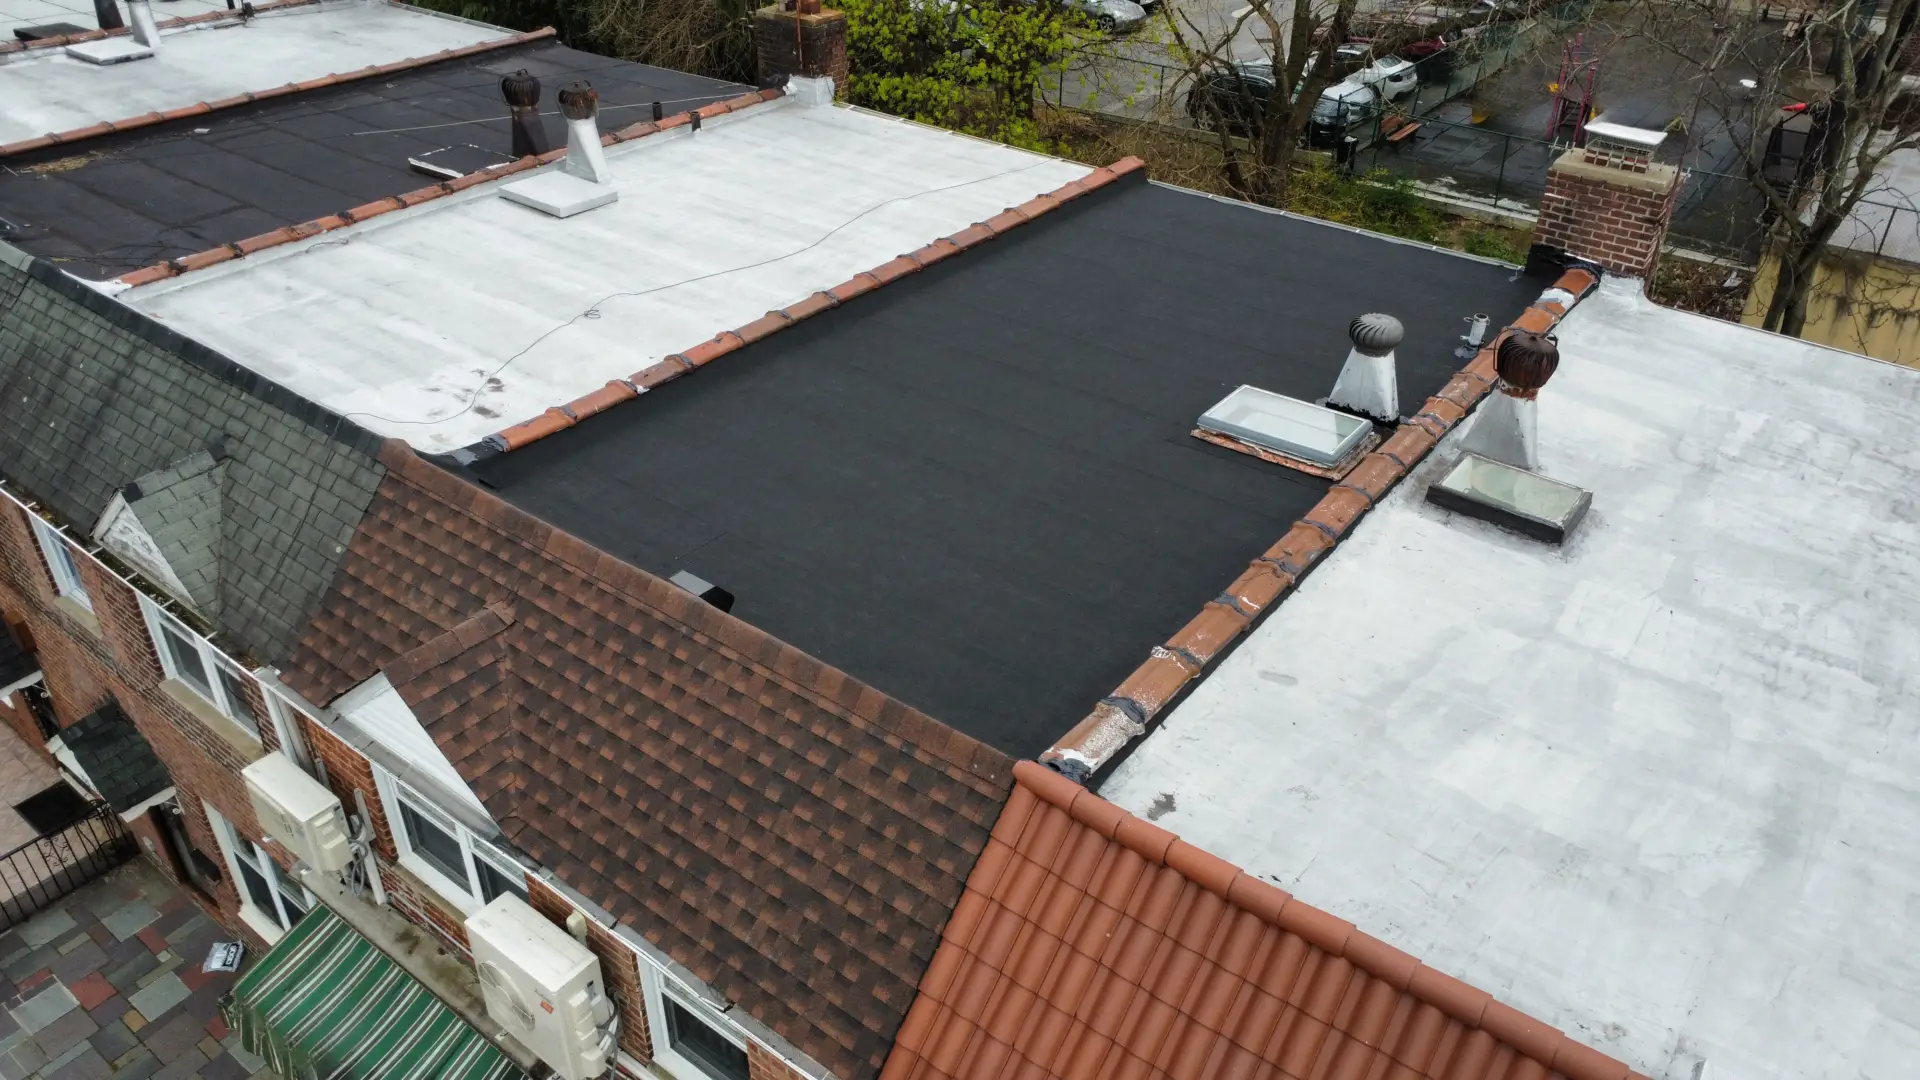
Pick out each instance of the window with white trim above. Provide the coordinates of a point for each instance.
(269, 898)
(61, 560)
(285, 717)
(698, 1045)
(446, 854)
(194, 662)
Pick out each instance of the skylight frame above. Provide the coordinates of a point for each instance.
(1286, 419)
(1471, 485)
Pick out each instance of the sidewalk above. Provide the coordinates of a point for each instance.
(23, 773)
(107, 983)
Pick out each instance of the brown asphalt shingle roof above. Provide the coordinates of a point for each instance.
(1093, 945)
(793, 837)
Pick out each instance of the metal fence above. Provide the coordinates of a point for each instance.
(43, 870)
(1887, 230)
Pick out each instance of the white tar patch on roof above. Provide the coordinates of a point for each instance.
(1659, 788)
(450, 321)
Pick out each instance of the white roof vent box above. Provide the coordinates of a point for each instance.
(140, 44)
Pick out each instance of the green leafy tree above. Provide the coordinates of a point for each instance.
(967, 65)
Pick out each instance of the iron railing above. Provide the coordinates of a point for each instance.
(43, 870)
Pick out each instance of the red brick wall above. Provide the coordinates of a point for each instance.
(423, 907)
(818, 48)
(619, 966)
(765, 1065)
(1620, 225)
(83, 668)
(348, 771)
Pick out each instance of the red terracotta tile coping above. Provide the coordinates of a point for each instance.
(201, 108)
(287, 234)
(561, 417)
(164, 24)
(1053, 825)
(1123, 715)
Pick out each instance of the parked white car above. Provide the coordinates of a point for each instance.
(1391, 77)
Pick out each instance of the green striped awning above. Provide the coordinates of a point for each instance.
(325, 1004)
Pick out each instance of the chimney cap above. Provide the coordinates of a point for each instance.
(1375, 334)
(1526, 360)
(579, 101)
(520, 89)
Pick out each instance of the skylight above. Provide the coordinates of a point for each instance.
(1516, 499)
(1286, 425)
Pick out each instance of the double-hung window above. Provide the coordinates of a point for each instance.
(61, 560)
(447, 855)
(270, 899)
(194, 662)
(699, 1046)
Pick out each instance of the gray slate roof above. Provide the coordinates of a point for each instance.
(179, 509)
(94, 395)
(117, 759)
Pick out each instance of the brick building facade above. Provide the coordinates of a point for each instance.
(87, 661)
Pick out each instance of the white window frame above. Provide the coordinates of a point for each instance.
(60, 559)
(284, 716)
(466, 895)
(270, 925)
(212, 661)
(658, 988)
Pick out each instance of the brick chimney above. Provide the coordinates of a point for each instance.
(1608, 202)
(799, 37)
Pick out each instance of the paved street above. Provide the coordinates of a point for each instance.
(107, 983)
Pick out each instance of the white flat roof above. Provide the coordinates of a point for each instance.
(18, 13)
(450, 321)
(1660, 788)
(46, 90)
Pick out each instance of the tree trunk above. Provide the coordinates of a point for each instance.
(1793, 313)
(1787, 307)
(1783, 286)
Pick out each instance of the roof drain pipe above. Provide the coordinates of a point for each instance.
(1507, 429)
(522, 92)
(1368, 383)
(107, 14)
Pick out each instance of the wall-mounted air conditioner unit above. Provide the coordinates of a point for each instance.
(543, 987)
(299, 812)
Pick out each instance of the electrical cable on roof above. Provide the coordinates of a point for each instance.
(593, 312)
(554, 112)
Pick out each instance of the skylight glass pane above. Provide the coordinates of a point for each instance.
(1287, 425)
(1515, 498)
